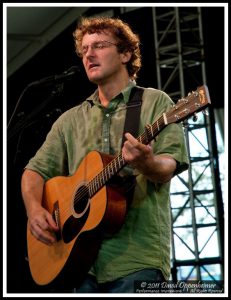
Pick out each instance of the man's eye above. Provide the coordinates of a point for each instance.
(99, 46)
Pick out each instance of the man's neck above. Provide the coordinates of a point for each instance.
(109, 90)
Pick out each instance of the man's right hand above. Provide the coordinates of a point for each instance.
(42, 225)
(40, 221)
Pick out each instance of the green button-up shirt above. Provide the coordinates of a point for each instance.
(144, 239)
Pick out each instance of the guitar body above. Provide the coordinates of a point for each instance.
(83, 221)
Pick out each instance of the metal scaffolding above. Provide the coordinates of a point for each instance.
(197, 205)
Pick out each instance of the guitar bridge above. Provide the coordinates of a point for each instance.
(56, 217)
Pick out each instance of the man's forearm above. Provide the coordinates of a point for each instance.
(157, 168)
(32, 188)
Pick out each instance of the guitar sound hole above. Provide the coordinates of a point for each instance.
(81, 199)
(73, 225)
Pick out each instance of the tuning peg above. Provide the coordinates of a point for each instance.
(205, 112)
(185, 123)
(195, 117)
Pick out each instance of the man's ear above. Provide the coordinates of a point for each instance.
(126, 56)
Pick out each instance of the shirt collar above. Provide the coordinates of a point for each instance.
(123, 96)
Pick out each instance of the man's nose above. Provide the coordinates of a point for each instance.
(90, 51)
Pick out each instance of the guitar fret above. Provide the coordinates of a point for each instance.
(94, 183)
(157, 123)
(117, 163)
(97, 182)
(89, 189)
(139, 139)
(100, 181)
(121, 161)
(114, 163)
(110, 171)
(151, 130)
(165, 119)
(105, 177)
(102, 177)
(92, 190)
(112, 167)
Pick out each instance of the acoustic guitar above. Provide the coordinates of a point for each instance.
(87, 205)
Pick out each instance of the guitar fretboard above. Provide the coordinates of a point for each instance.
(115, 165)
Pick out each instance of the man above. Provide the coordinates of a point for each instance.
(140, 250)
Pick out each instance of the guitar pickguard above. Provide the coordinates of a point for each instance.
(73, 226)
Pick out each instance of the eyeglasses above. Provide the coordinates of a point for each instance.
(96, 46)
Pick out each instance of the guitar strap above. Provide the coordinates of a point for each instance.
(133, 112)
(132, 121)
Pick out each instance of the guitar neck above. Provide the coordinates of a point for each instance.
(118, 163)
(184, 108)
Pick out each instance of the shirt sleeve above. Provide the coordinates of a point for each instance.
(50, 159)
(171, 139)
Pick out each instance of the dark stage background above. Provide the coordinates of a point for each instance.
(55, 58)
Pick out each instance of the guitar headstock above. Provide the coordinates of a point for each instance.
(186, 107)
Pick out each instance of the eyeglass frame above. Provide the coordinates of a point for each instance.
(95, 46)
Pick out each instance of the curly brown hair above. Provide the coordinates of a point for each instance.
(127, 39)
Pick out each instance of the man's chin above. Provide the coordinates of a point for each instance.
(95, 80)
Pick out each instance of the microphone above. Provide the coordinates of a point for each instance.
(60, 77)
(47, 80)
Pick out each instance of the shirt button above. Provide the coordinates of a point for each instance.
(105, 140)
(107, 115)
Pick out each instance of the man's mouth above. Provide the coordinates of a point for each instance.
(91, 66)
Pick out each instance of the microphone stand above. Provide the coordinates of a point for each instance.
(54, 79)
(57, 81)
(58, 89)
